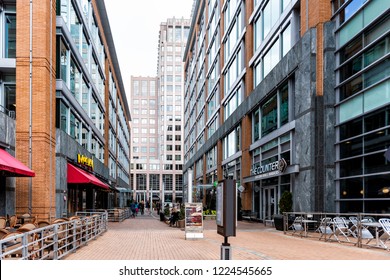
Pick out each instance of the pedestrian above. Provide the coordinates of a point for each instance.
(147, 206)
(158, 208)
(141, 207)
(132, 208)
(136, 208)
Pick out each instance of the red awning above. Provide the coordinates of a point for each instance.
(79, 176)
(11, 165)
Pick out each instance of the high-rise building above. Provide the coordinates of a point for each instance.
(157, 125)
(64, 113)
(289, 95)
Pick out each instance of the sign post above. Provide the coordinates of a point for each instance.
(226, 214)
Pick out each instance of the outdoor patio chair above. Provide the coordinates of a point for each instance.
(43, 223)
(297, 225)
(366, 234)
(3, 222)
(324, 227)
(3, 232)
(29, 226)
(340, 228)
(385, 223)
(12, 221)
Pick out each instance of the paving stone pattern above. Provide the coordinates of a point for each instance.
(146, 238)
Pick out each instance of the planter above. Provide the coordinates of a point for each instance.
(181, 223)
(278, 222)
(209, 217)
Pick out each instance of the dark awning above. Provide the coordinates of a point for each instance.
(12, 167)
(79, 176)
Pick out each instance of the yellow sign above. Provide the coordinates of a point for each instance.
(81, 159)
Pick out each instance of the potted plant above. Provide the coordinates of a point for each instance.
(182, 216)
(285, 205)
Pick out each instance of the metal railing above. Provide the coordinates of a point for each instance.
(54, 241)
(115, 214)
(364, 231)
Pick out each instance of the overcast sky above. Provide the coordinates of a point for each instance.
(135, 25)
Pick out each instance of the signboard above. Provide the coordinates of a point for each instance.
(219, 205)
(84, 160)
(272, 168)
(226, 208)
(194, 220)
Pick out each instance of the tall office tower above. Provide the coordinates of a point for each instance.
(64, 114)
(172, 40)
(145, 161)
(290, 95)
(157, 105)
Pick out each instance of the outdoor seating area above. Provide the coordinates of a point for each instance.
(358, 229)
(42, 240)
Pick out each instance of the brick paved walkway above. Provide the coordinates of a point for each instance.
(146, 238)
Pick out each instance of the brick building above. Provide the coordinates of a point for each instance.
(71, 117)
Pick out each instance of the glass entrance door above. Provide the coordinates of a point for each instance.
(269, 205)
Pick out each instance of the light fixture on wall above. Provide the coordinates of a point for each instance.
(386, 190)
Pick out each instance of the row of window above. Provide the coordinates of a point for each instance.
(168, 181)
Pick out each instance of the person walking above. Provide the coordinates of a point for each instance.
(158, 205)
(141, 207)
(147, 206)
(132, 208)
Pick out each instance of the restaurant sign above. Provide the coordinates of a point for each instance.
(84, 160)
(269, 169)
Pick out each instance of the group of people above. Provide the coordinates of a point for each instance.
(136, 208)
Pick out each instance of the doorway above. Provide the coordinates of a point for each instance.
(269, 205)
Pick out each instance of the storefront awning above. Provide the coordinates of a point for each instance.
(79, 176)
(12, 167)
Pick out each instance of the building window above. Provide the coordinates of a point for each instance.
(273, 113)
(10, 36)
(141, 182)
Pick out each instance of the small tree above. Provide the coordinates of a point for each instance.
(285, 202)
(182, 212)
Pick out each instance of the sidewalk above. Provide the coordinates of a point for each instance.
(146, 238)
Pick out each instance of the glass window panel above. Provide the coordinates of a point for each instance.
(377, 141)
(376, 163)
(269, 116)
(351, 129)
(351, 108)
(351, 167)
(284, 105)
(352, 28)
(351, 148)
(351, 188)
(10, 36)
(377, 96)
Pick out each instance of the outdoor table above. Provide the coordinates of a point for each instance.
(375, 225)
(305, 223)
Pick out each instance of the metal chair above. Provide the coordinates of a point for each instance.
(340, 228)
(324, 228)
(297, 225)
(385, 223)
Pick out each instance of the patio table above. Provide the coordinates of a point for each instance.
(375, 225)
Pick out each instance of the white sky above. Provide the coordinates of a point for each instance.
(135, 25)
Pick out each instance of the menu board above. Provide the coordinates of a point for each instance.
(194, 220)
(219, 218)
